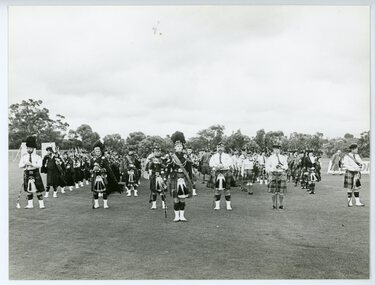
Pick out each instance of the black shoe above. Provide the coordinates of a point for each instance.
(250, 193)
(312, 192)
(281, 207)
(273, 207)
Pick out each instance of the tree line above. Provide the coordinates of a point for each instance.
(30, 118)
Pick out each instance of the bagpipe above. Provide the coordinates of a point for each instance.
(160, 184)
(100, 178)
(220, 182)
(31, 187)
(356, 181)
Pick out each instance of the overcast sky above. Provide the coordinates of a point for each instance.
(161, 69)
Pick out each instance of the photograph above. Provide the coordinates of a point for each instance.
(188, 142)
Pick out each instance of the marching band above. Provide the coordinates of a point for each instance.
(176, 172)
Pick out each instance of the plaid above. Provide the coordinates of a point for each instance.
(173, 186)
(228, 177)
(37, 178)
(310, 178)
(349, 178)
(277, 183)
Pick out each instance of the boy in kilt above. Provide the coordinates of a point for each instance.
(221, 164)
(276, 166)
(352, 179)
(179, 172)
(32, 181)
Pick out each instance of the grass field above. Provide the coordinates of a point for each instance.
(314, 237)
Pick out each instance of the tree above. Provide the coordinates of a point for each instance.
(146, 146)
(364, 144)
(348, 136)
(237, 141)
(114, 142)
(260, 138)
(212, 135)
(88, 137)
(270, 137)
(29, 118)
(133, 140)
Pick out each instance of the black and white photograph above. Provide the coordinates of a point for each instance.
(188, 142)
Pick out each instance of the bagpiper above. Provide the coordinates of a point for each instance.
(276, 167)
(32, 181)
(194, 167)
(352, 179)
(221, 164)
(179, 173)
(310, 166)
(103, 180)
(53, 168)
(69, 170)
(157, 178)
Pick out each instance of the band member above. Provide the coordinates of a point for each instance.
(130, 177)
(194, 166)
(234, 163)
(276, 167)
(77, 171)
(179, 173)
(221, 164)
(205, 167)
(247, 173)
(336, 162)
(262, 168)
(69, 171)
(157, 178)
(297, 168)
(309, 166)
(352, 179)
(87, 171)
(32, 181)
(53, 168)
(133, 159)
(103, 180)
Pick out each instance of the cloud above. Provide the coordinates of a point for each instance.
(291, 68)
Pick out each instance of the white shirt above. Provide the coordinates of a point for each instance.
(272, 162)
(36, 161)
(234, 160)
(247, 164)
(226, 161)
(349, 163)
(262, 159)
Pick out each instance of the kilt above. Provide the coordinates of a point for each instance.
(349, 179)
(77, 175)
(153, 184)
(37, 180)
(228, 177)
(69, 177)
(173, 186)
(277, 182)
(248, 174)
(99, 187)
(205, 169)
